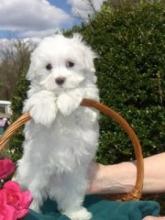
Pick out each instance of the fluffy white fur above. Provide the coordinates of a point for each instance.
(61, 139)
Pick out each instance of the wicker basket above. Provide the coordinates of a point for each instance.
(136, 193)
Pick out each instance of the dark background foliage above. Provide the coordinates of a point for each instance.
(130, 42)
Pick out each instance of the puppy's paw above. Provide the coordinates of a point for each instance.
(81, 214)
(69, 102)
(43, 114)
(42, 108)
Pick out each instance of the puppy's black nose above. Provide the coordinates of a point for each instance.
(60, 80)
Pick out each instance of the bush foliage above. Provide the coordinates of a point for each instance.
(130, 42)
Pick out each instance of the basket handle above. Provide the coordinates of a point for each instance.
(137, 190)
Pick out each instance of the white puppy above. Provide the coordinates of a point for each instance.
(62, 137)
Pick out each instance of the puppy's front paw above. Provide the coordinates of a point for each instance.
(42, 108)
(68, 103)
(81, 214)
(44, 114)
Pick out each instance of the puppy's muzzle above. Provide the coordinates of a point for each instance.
(60, 80)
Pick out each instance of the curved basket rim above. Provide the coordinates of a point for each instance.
(137, 190)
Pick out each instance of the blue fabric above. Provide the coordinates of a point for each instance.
(102, 210)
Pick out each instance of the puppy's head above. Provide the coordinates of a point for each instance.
(60, 64)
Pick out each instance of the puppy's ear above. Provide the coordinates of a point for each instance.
(31, 71)
(29, 75)
(88, 54)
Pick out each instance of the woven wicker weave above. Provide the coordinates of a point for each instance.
(137, 190)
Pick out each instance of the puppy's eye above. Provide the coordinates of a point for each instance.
(69, 64)
(49, 66)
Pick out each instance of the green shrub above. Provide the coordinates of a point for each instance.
(19, 95)
(17, 104)
(130, 42)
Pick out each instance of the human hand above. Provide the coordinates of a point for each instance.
(153, 218)
(105, 179)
